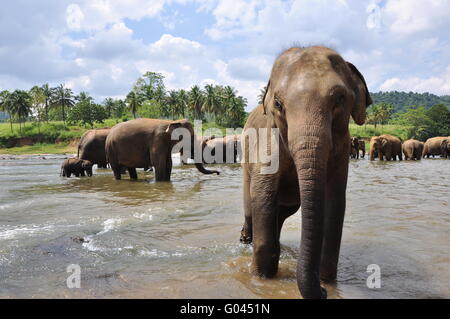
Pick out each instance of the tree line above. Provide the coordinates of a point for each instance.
(148, 98)
(400, 100)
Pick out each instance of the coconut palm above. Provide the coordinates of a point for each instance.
(133, 102)
(47, 91)
(6, 105)
(62, 97)
(261, 95)
(19, 103)
(196, 101)
(212, 103)
(109, 104)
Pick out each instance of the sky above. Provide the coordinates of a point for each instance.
(103, 46)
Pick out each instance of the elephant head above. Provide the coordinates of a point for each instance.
(87, 167)
(310, 97)
(195, 144)
(379, 146)
(445, 147)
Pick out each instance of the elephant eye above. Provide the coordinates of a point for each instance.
(278, 105)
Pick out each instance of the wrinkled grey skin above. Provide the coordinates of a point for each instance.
(144, 143)
(77, 167)
(311, 94)
(92, 147)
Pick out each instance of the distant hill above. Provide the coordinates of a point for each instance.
(402, 99)
(3, 116)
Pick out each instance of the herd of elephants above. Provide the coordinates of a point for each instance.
(310, 96)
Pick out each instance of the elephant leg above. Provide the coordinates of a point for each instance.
(132, 172)
(266, 245)
(333, 224)
(400, 157)
(117, 172)
(246, 232)
(163, 167)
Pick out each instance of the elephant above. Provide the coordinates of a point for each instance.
(354, 147)
(201, 140)
(143, 143)
(309, 98)
(362, 147)
(433, 146)
(230, 144)
(77, 167)
(92, 147)
(412, 149)
(387, 146)
(445, 148)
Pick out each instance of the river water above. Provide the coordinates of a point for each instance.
(181, 239)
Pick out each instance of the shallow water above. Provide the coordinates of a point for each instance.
(181, 239)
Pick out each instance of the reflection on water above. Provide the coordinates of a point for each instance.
(181, 239)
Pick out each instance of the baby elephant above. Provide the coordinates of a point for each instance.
(76, 167)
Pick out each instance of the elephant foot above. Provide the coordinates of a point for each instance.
(320, 293)
(246, 238)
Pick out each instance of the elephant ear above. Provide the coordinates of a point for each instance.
(264, 100)
(362, 95)
(178, 124)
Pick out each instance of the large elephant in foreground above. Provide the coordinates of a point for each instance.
(387, 147)
(92, 147)
(144, 143)
(310, 96)
(222, 150)
(434, 146)
(412, 149)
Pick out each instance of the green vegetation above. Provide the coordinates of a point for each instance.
(47, 116)
(40, 148)
(400, 100)
(369, 130)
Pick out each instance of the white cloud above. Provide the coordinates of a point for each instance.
(440, 83)
(89, 44)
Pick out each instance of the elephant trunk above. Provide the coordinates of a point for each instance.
(203, 170)
(198, 146)
(310, 157)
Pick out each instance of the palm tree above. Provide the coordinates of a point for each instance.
(183, 102)
(47, 91)
(212, 100)
(261, 95)
(196, 99)
(133, 102)
(62, 97)
(20, 105)
(109, 103)
(172, 102)
(84, 97)
(6, 105)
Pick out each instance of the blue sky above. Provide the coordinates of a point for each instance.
(103, 46)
